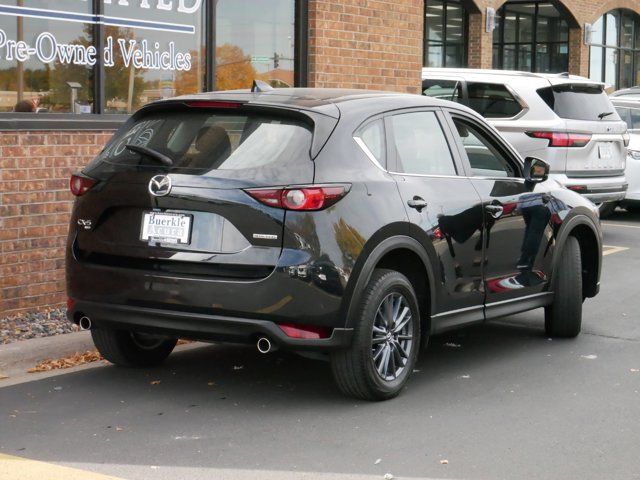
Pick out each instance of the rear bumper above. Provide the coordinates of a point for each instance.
(596, 189)
(199, 326)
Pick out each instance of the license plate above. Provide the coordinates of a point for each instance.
(166, 228)
(605, 151)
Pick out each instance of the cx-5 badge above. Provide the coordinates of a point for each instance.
(160, 185)
(86, 224)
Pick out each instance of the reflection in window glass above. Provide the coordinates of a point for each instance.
(532, 36)
(254, 43)
(45, 81)
(484, 159)
(148, 64)
(421, 146)
(373, 137)
(445, 34)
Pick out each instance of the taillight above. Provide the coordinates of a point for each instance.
(80, 185)
(306, 332)
(300, 198)
(563, 139)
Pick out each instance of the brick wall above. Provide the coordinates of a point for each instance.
(34, 209)
(374, 44)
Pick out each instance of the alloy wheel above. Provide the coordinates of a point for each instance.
(392, 338)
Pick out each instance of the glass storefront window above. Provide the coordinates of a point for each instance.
(114, 56)
(45, 63)
(532, 36)
(445, 34)
(615, 49)
(254, 43)
(160, 59)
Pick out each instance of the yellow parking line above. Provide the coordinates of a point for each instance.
(609, 249)
(608, 224)
(17, 468)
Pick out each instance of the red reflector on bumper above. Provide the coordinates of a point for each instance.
(305, 332)
(70, 303)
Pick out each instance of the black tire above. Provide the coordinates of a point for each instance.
(564, 317)
(129, 349)
(607, 209)
(354, 368)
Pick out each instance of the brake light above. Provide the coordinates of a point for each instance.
(305, 332)
(80, 185)
(213, 104)
(300, 198)
(563, 139)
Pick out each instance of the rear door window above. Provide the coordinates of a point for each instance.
(492, 100)
(203, 141)
(420, 145)
(575, 101)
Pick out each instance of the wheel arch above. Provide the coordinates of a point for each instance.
(590, 240)
(406, 255)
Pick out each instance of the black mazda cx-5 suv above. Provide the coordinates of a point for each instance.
(348, 223)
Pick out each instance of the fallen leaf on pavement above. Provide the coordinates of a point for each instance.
(78, 358)
(119, 429)
(2, 377)
(155, 382)
(211, 384)
(377, 461)
(632, 370)
(444, 461)
(589, 357)
(388, 476)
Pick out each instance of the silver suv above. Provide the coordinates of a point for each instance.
(566, 120)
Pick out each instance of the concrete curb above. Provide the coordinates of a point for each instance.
(17, 357)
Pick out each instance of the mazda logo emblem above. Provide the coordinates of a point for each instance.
(160, 185)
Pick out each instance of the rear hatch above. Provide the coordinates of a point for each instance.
(191, 215)
(592, 121)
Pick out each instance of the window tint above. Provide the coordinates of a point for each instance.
(492, 100)
(485, 159)
(579, 102)
(421, 146)
(372, 135)
(634, 124)
(444, 89)
(625, 115)
(200, 142)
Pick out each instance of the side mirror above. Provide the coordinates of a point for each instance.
(535, 170)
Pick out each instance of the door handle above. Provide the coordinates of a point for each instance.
(418, 203)
(494, 210)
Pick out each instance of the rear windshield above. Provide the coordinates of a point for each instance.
(579, 102)
(201, 141)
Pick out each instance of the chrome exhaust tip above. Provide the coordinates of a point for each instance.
(84, 323)
(264, 345)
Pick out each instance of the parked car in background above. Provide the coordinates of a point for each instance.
(629, 110)
(343, 222)
(565, 120)
(632, 93)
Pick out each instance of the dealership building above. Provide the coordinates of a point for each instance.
(72, 70)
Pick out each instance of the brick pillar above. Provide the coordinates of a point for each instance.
(375, 44)
(578, 53)
(480, 43)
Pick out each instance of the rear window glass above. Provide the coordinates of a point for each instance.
(579, 102)
(492, 100)
(201, 141)
(631, 116)
(443, 89)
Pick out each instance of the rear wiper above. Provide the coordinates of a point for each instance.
(605, 114)
(152, 154)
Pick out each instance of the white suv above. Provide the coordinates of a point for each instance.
(566, 120)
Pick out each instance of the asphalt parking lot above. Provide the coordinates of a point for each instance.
(490, 402)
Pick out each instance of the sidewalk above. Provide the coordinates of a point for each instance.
(17, 357)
